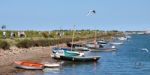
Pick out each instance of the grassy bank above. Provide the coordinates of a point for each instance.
(50, 38)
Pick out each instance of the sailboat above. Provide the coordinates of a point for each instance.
(76, 46)
(79, 58)
(57, 52)
(98, 47)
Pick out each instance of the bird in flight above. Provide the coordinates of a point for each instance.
(91, 12)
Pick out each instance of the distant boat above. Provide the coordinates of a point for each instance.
(80, 58)
(128, 36)
(116, 43)
(78, 47)
(102, 42)
(29, 65)
(122, 38)
(102, 49)
(92, 45)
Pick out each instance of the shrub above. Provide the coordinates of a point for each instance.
(43, 42)
(25, 43)
(4, 45)
(45, 34)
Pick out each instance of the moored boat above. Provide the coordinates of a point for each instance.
(122, 38)
(78, 47)
(103, 49)
(80, 58)
(102, 42)
(81, 49)
(116, 43)
(51, 65)
(99, 47)
(28, 65)
(65, 52)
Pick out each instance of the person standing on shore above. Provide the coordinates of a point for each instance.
(4, 35)
(12, 35)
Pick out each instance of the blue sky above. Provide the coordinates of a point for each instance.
(56, 14)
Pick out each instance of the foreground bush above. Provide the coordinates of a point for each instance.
(42, 42)
(45, 34)
(4, 45)
(25, 44)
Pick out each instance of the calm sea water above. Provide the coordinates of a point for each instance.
(129, 59)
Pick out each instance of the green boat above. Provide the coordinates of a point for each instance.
(57, 52)
(80, 58)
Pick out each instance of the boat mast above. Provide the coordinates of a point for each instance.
(58, 36)
(73, 37)
(95, 36)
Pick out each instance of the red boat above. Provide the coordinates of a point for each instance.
(29, 65)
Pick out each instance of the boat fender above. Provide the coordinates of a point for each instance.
(94, 58)
(73, 59)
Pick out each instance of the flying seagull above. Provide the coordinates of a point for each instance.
(91, 12)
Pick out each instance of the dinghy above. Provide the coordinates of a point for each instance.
(51, 65)
(29, 65)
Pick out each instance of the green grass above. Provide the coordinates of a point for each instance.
(47, 38)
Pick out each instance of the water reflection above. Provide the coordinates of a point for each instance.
(53, 70)
(81, 67)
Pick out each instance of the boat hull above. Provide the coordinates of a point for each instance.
(29, 65)
(52, 65)
(102, 49)
(80, 59)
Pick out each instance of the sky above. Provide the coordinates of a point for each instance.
(63, 14)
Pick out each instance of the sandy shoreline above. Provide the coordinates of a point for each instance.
(38, 54)
(7, 57)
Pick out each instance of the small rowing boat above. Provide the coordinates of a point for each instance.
(51, 65)
(29, 65)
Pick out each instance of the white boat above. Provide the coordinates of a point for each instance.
(51, 65)
(116, 43)
(102, 42)
(82, 48)
(122, 38)
(91, 45)
(128, 36)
